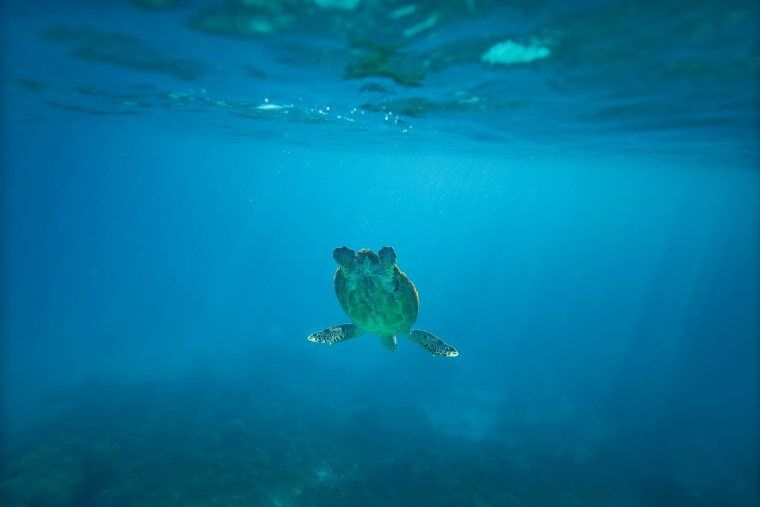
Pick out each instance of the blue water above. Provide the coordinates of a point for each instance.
(580, 218)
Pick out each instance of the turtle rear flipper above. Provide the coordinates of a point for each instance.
(431, 343)
(387, 256)
(335, 334)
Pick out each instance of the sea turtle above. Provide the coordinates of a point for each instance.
(379, 299)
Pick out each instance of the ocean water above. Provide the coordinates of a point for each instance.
(572, 186)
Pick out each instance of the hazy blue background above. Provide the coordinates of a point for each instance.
(583, 228)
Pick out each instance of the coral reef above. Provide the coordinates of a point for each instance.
(208, 441)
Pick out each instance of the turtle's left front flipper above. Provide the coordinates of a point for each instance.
(431, 343)
(335, 334)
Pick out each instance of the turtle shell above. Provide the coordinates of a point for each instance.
(379, 299)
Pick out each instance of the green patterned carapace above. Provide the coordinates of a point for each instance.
(377, 296)
(379, 299)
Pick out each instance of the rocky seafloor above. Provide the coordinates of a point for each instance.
(208, 441)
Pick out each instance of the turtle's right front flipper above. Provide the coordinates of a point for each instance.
(335, 334)
(431, 343)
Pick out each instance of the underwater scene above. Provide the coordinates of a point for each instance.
(380, 253)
